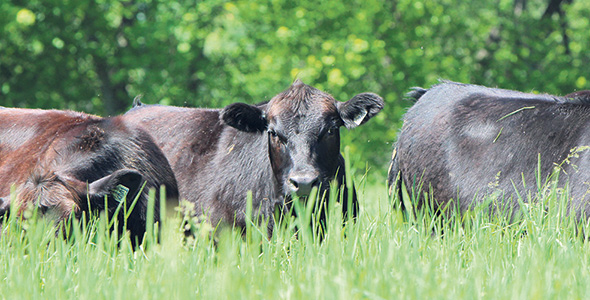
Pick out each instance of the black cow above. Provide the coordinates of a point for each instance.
(469, 142)
(62, 162)
(288, 145)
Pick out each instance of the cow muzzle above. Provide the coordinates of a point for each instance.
(302, 183)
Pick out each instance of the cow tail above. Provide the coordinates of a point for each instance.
(415, 94)
(394, 179)
(137, 100)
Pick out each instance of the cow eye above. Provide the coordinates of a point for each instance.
(332, 131)
(277, 137)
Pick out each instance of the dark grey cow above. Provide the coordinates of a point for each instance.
(468, 142)
(288, 145)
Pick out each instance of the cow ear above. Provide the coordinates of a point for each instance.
(117, 186)
(244, 117)
(360, 109)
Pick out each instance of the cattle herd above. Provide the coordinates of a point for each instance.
(458, 142)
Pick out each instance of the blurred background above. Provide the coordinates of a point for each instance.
(97, 55)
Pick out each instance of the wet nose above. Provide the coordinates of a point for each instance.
(302, 183)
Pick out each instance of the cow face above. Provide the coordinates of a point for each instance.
(60, 195)
(302, 125)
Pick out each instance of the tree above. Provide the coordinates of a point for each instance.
(97, 55)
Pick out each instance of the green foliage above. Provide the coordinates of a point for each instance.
(97, 55)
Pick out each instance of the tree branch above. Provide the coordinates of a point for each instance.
(553, 7)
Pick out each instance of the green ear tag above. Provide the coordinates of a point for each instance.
(119, 193)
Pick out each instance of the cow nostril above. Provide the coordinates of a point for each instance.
(294, 185)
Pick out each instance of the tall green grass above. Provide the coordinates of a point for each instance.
(385, 254)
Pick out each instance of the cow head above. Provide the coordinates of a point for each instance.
(302, 125)
(61, 195)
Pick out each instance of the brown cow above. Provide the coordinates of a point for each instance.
(62, 162)
(287, 145)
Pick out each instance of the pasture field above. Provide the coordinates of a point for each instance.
(384, 255)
